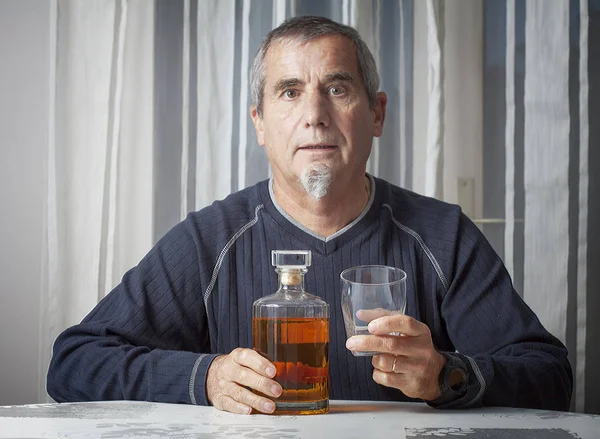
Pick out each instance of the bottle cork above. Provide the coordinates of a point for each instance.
(291, 278)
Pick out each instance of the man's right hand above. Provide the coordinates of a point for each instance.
(229, 375)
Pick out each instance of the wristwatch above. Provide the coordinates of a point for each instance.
(452, 379)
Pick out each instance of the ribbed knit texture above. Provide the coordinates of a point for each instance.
(192, 294)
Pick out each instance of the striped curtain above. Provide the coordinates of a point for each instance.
(539, 66)
(488, 107)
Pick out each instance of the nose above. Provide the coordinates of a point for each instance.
(316, 110)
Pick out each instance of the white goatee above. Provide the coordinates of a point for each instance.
(316, 180)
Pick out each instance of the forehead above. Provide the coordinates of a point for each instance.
(296, 59)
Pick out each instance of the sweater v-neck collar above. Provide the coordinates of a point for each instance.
(319, 243)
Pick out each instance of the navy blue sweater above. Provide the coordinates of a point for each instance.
(154, 336)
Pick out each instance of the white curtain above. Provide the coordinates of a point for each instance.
(547, 126)
(99, 211)
(151, 122)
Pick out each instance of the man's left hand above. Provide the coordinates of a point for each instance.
(407, 362)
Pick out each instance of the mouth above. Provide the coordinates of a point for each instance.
(317, 147)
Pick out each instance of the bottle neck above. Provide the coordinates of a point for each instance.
(291, 280)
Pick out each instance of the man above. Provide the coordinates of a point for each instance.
(177, 328)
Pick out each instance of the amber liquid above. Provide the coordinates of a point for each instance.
(299, 348)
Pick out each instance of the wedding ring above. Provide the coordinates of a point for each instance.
(394, 365)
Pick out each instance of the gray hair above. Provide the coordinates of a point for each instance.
(305, 29)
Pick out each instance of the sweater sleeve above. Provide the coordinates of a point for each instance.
(146, 340)
(511, 359)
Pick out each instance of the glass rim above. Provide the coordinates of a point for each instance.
(387, 267)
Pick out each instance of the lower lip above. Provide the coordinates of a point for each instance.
(319, 150)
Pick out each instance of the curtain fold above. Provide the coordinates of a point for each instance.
(48, 286)
(434, 168)
(583, 203)
(402, 97)
(215, 41)
(365, 17)
(185, 109)
(461, 157)
(509, 230)
(547, 127)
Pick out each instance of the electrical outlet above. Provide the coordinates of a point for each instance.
(466, 195)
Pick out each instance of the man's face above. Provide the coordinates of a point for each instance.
(316, 110)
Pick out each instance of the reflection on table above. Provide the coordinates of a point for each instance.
(347, 419)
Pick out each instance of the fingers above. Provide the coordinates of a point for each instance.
(416, 377)
(245, 397)
(232, 379)
(249, 378)
(228, 404)
(366, 315)
(413, 336)
(385, 362)
(394, 363)
(408, 362)
(401, 323)
(388, 344)
(412, 386)
(395, 380)
(253, 360)
(255, 372)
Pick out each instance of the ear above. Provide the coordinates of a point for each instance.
(380, 107)
(258, 125)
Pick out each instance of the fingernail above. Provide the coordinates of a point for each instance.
(275, 390)
(269, 407)
(271, 371)
(350, 343)
(372, 326)
(248, 410)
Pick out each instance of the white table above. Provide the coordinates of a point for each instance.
(347, 419)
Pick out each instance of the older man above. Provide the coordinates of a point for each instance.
(177, 328)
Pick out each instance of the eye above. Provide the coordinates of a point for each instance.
(290, 94)
(336, 91)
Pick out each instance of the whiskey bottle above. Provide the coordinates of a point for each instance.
(291, 329)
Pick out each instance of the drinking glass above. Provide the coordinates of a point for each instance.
(369, 292)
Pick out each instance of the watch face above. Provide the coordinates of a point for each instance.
(456, 379)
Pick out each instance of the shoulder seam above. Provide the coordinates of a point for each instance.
(229, 244)
(424, 247)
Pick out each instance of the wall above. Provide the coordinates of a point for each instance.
(24, 29)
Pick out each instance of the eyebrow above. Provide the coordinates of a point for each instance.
(286, 83)
(339, 76)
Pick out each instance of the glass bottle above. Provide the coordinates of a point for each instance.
(291, 329)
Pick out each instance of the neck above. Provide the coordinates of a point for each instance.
(343, 204)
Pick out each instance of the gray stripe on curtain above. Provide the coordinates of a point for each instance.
(519, 139)
(582, 207)
(193, 107)
(434, 162)
(392, 146)
(592, 325)
(257, 166)
(167, 114)
(185, 109)
(494, 117)
(509, 231)
(574, 149)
